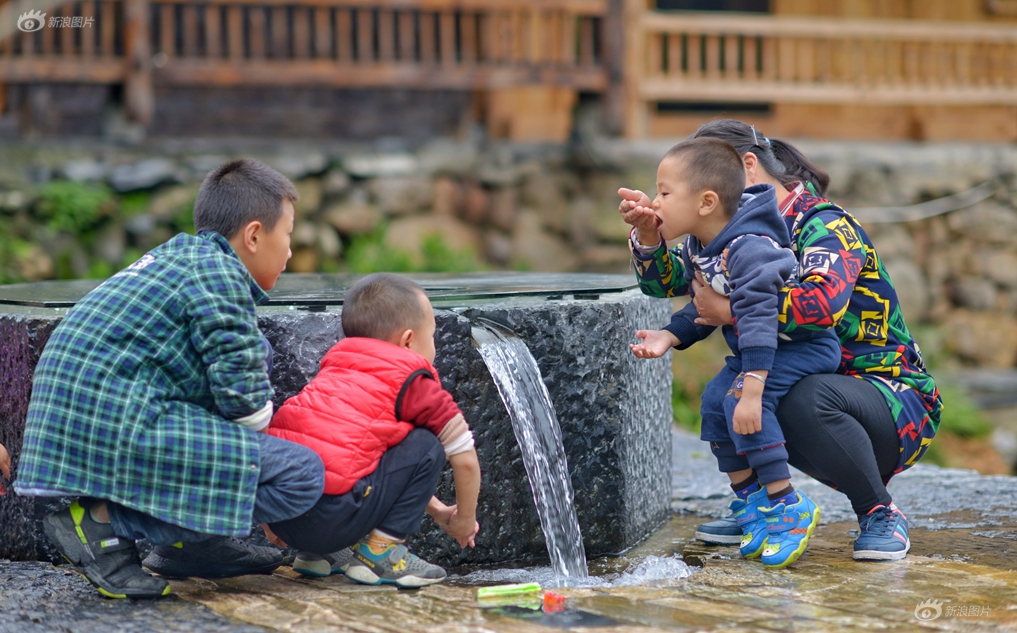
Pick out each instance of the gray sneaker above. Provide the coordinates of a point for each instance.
(310, 564)
(394, 566)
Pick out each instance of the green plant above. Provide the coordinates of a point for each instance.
(685, 407)
(440, 258)
(960, 416)
(74, 207)
(369, 254)
(134, 203)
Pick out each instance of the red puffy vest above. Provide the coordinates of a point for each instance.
(348, 414)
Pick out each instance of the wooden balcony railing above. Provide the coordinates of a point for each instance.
(422, 44)
(462, 44)
(738, 58)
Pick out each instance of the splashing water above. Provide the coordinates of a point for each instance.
(535, 425)
(649, 570)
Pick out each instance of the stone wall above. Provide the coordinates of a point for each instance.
(532, 207)
(614, 411)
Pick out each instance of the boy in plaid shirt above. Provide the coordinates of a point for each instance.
(151, 395)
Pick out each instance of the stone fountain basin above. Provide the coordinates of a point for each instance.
(614, 409)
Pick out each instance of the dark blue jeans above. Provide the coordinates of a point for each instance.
(291, 480)
(764, 450)
(391, 499)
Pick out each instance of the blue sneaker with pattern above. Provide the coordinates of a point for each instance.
(788, 530)
(884, 535)
(750, 519)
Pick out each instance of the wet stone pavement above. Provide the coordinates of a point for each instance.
(961, 575)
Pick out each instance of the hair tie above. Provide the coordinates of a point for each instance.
(767, 141)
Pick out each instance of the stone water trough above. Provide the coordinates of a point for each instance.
(614, 409)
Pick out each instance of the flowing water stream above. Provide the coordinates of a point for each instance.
(535, 425)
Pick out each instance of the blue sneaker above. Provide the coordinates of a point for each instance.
(788, 529)
(724, 531)
(884, 535)
(750, 520)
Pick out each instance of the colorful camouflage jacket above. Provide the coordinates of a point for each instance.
(845, 286)
(133, 396)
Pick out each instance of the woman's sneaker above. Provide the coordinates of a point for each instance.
(394, 565)
(788, 529)
(884, 535)
(111, 563)
(748, 514)
(310, 564)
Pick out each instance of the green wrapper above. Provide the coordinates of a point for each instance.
(508, 590)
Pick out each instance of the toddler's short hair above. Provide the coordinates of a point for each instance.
(382, 305)
(238, 193)
(714, 165)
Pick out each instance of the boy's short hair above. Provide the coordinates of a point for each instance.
(711, 164)
(381, 306)
(238, 193)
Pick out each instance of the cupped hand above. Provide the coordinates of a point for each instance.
(636, 209)
(713, 307)
(655, 343)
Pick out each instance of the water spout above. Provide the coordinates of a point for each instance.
(535, 425)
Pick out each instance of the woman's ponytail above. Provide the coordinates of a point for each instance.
(781, 160)
(797, 165)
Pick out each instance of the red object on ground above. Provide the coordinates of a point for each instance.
(553, 602)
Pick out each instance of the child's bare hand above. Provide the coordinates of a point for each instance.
(655, 343)
(5, 468)
(441, 513)
(462, 529)
(636, 209)
(272, 538)
(748, 415)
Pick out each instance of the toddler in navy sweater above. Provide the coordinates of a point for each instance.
(738, 245)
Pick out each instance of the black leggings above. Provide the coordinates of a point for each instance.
(839, 430)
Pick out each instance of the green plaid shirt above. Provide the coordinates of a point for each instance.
(133, 396)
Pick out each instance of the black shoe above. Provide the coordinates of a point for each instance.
(111, 563)
(217, 557)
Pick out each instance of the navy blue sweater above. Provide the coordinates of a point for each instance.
(750, 260)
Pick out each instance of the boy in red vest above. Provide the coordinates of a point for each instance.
(379, 419)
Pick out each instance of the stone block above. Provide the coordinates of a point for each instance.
(614, 412)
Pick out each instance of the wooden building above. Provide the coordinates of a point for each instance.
(916, 69)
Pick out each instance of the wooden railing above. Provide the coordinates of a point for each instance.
(88, 53)
(425, 44)
(738, 58)
(461, 44)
